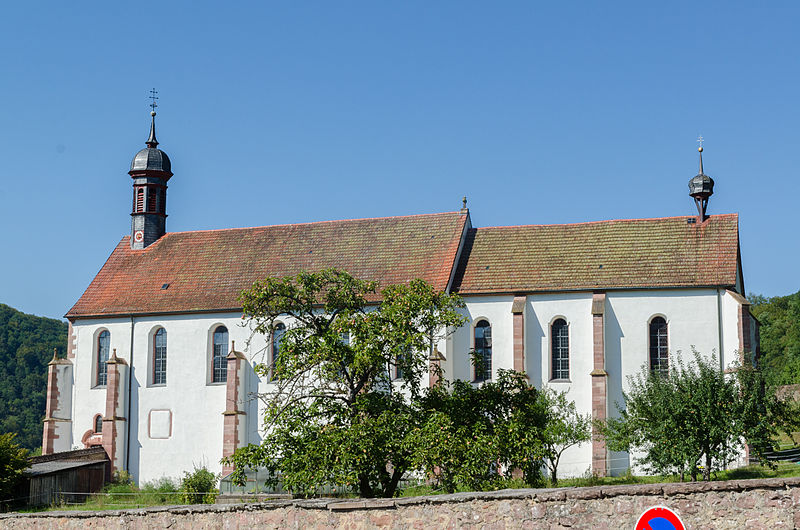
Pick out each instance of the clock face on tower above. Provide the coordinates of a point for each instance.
(138, 236)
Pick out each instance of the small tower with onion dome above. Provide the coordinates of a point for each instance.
(150, 171)
(701, 187)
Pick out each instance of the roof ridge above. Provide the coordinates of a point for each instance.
(608, 221)
(315, 222)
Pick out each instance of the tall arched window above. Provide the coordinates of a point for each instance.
(277, 335)
(98, 423)
(559, 331)
(160, 357)
(103, 345)
(483, 350)
(659, 346)
(219, 360)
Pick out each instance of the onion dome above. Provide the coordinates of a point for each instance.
(701, 187)
(151, 158)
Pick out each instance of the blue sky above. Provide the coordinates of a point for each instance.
(283, 112)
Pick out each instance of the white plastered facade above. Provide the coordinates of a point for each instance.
(174, 427)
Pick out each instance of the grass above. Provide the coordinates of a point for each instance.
(123, 496)
(788, 442)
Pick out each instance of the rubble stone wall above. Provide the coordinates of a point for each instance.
(763, 503)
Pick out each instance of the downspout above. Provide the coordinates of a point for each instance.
(128, 412)
(719, 330)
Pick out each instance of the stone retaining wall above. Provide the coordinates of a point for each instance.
(770, 503)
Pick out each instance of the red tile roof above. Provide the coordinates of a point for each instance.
(206, 270)
(636, 253)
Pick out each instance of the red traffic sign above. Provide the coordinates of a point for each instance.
(659, 518)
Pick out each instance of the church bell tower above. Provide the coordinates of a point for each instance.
(150, 171)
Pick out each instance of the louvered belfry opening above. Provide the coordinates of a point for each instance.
(151, 199)
(139, 205)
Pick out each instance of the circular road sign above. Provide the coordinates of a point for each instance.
(659, 518)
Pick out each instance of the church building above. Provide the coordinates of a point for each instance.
(159, 365)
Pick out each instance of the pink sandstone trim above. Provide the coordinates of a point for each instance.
(599, 384)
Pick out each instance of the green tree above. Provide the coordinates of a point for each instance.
(13, 461)
(697, 417)
(474, 436)
(335, 416)
(563, 427)
(780, 337)
(26, 346)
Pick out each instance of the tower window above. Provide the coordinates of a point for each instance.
(151, 199)
(98, 423)
(139, 207)
(103, 344)
(219, 361)
(659, 346)
(483, 351)
(160, 357)
(559, 332)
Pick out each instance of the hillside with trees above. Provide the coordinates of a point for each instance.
(26, 346)
(780, 337)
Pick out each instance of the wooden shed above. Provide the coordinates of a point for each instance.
(67, 477)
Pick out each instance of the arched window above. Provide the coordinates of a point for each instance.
(483, 350)
(160, 357)
(277, 335)
(151, 199)
(98, 423)
(219, 361)
(659, 346)
(103, 345)
(559, 332)
(139, 200)
(401, 360)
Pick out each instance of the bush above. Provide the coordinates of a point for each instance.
(13, 461)
(199, 487)
(161, 491)
(121, 489)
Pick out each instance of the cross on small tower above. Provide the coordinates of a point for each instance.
(700, 141)
(153, 97)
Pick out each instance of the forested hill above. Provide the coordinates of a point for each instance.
(26, 346)
(780, 336)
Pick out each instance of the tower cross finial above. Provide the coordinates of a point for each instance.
(700, 150)
(153, 97)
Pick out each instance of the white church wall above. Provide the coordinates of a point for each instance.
(185, 413)
(541, 311)
(88, 399)
(497, 311)
(730, 311)
(576, 310)
(692, 320)
(179, 425)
